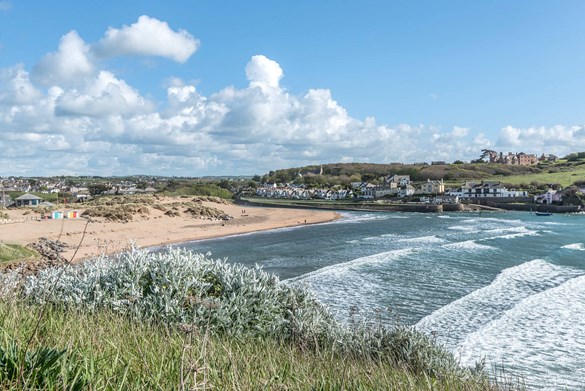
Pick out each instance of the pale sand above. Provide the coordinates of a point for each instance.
(156, 229)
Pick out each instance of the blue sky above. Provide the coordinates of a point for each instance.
(231, 87)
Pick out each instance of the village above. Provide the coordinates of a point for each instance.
(401, 187)
(48, 192)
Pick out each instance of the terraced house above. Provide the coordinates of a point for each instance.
(485, 189)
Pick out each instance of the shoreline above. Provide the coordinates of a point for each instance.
(154, 229)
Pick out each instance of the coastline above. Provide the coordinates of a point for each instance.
(154, 229)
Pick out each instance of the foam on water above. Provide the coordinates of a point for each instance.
(468, 245)
(543, 335)
(472, 312)
(431, 239)
(354, 218)
(381, 237)
(341, 268)
(462, 228)
(518, 235)
(575, 246)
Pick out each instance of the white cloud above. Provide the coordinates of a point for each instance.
(16, 87)
(148, 37)
(5, 5)
(78, 117)
(68, 65)
(558, 139)
(106, 95)
(263, 72)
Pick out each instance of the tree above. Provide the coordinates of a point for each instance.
(97, 188)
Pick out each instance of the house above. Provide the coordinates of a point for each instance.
(406, 191)
(485, 189)
(382, 191)
(549, 197)
(521, 159)
(398, 180)
(368, 191)
(550, 158)
(432, 187)
(28, 200)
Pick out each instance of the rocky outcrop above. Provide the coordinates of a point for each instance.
(50, 249)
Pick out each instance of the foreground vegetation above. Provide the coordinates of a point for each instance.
(104, 350)
(184, 321)
(15, 252)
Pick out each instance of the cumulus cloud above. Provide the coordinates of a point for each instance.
(263, 72)
(106, 95)
(16, 87)
(69, 64)
(556, 139)
(148, 37)
(81, 118)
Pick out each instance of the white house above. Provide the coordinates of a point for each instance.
(368, 191)
(549, 197)
(406, 191)
(485, 189)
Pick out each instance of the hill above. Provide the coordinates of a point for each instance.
(564, 173)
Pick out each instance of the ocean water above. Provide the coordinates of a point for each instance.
(506, 287)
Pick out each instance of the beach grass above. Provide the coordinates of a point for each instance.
(16, 252)
(104, 350)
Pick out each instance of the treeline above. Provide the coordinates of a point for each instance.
(189, 188)
(575, 156)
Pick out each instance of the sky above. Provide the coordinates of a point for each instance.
(199, 87)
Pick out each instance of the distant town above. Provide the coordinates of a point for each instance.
(318, 183)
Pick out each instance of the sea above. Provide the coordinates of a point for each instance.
(504, 288)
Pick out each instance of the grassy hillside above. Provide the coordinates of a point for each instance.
(563, 172)
(558, 174)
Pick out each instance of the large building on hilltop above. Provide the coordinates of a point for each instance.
(520, 159)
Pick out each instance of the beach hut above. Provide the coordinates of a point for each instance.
(72, 214)
(57, 214)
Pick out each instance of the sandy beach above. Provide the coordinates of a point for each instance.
(149, 229)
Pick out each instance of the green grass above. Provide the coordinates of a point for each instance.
(16, 252)
(566, 176)
(108, 351)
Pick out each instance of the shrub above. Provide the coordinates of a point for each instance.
(192, 290)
